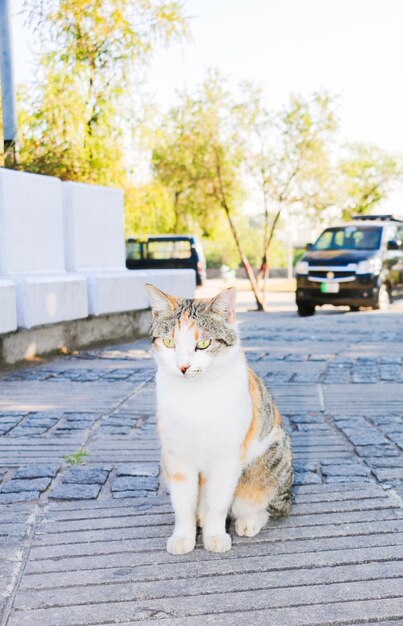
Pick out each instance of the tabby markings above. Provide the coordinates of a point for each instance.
(254, 426)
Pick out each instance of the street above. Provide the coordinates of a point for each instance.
(84, 518)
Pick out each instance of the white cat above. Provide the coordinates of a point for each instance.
(223, 445)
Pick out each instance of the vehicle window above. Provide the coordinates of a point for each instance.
(182, 249)
(399, 236)
(168, 249)
(324, 241)
(349, 238)
(133, 250)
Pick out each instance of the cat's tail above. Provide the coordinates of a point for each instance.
(280, 505)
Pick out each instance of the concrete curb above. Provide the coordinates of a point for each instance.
(24, 345)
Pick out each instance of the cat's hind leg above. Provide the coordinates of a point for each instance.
(264, 489)
(249, 508)
(250, 516)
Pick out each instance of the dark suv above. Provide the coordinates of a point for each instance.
(355, 264)
(166, 251)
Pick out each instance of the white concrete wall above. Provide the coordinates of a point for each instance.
(8, 306)
(95, 247)
(62, 254)
(50, 299)
(180, 283)
(31, 223)
(94, 227)
(32, 250)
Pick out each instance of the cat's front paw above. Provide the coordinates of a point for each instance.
(218, 543)
(180, 545)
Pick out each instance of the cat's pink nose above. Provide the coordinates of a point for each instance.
(184, 368)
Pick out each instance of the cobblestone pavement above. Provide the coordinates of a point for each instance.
(84, 519)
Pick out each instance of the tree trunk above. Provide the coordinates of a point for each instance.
(248, 269)
(265, 262)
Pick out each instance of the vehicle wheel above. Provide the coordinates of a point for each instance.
(383, 298)
(305, 309)
(354, 309)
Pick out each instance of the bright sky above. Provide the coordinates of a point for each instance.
(353, 48)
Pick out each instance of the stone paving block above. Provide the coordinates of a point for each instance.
(88, 476)
(20, 431)
(279, 377)
(306, 478)
(28, 484)
(133, 494)
(391, 373)
(382, 450)
(137, 469)
(384, 462)
(397, 487)
(360, 437)
(398, 440)
(312, 427)
(347, 469)
(346, 479)
(37, 471)
(21, 496)
(391, 473)
(135, 483)
(75, 492)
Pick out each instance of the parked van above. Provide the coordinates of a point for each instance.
(166, 251)
(355, 264)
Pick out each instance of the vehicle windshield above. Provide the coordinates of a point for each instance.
(349, 238)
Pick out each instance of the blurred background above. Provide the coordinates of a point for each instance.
(250, 125)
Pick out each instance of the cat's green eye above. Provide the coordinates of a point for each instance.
(203, 344)
(168, 342)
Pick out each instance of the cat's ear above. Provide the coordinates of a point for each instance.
(224, 303)
(160, 301)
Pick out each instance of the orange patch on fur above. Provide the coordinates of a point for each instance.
(278, 420)
(172, 301)
(254, 426)
(202, 480)
(176, 476)
(251, 492)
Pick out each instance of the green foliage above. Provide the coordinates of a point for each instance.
(366, 174)
(78, 121)
(221, 249)
(290, 158)
(193, 138)
(77, 458)
(149, 209)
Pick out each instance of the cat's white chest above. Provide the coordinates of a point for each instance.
(203, 420)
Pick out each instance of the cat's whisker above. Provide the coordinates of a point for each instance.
(208, 373)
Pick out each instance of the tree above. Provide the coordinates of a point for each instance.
(80, 116)
(290, 160)
(199, 156)
(366, 176)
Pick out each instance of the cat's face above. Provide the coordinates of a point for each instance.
(192, 338)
